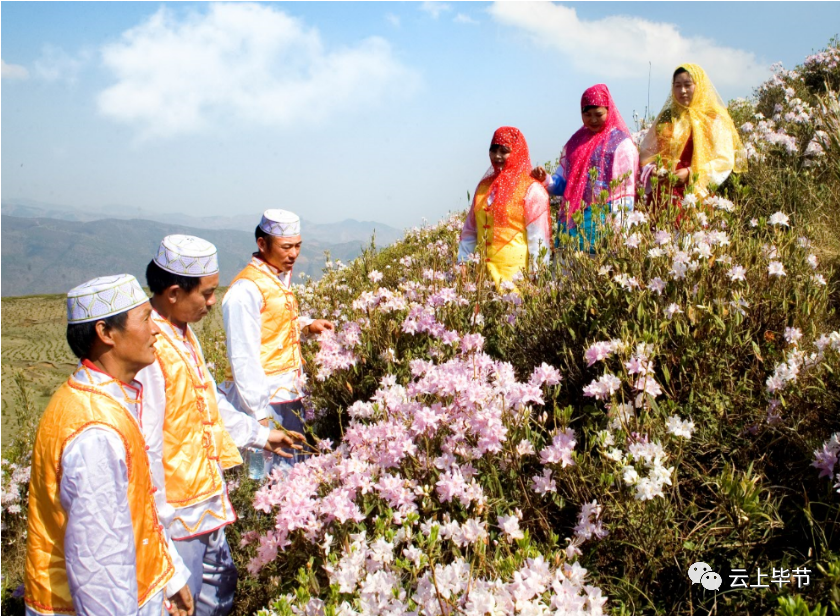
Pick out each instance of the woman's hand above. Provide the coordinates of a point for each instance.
(683, 175)
(539, 174)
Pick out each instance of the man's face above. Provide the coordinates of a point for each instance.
(134, 345)
(281, 252)
(193, 306)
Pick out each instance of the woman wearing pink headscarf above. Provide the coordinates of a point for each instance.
(603, 143)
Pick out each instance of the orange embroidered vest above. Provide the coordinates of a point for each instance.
(194, 437)
(280, 337)
(74, 407)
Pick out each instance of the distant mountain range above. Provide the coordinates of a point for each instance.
(49, 249)
(332, 233)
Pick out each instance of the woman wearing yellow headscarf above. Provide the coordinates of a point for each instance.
(693, 134)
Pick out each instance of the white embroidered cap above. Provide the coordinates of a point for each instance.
(187, 255)
(280, 223)
(104, 297)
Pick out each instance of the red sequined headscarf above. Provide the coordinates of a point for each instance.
(511, 183)
(584, 143)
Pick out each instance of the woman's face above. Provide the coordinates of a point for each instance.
(683, 89)
(595, 118)
(498, 156)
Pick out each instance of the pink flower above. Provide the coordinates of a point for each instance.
(545, 375)
(648, 385)
(657, 285)
(560, 450)
(510, 526)
(603, 388)
(472, 342)
(542, 484)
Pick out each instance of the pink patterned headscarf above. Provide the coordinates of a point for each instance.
(587, 149)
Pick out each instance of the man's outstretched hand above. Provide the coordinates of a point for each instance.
(319, 325)
(280, 440)
(181, 603)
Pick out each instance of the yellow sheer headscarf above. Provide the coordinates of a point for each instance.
(717, 146)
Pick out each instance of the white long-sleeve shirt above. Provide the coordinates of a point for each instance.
(100, 556)
(252, 390)
(215, 511)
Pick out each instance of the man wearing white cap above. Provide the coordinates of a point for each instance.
(95, 545)
(192, 433)
(265, 378)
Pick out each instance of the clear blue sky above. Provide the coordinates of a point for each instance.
(376, 111)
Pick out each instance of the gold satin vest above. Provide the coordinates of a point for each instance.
(280, 336)
(505, 250)
(74, 407)
(194, 437)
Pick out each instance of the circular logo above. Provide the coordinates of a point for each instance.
(696, 571)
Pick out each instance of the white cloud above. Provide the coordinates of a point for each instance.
(620, 46)
(435, 8)
(462, 18)
(240, 62)
(392, 19)
(55, 64)
(12, 71)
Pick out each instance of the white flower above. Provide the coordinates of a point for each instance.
(631, 476)
(780, 218)
(703, 250)
(793, 335)
(819, 279)
(776, 269)
(679, 427)
(654, 253)
(690, 200)
(736, 273)
(662, 237)
(633, 241)
(673, 309)
(725, 204)
(769, 251)
(812, 261)
(753, 222)
(375, 276)
(657, 284)
(614, 454)
(636, 218)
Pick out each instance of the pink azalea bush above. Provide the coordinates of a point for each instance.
(572, 418)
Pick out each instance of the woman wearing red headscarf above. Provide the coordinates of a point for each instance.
(603, 143)
(508, 222)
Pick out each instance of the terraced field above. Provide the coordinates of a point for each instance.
(36, 358)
